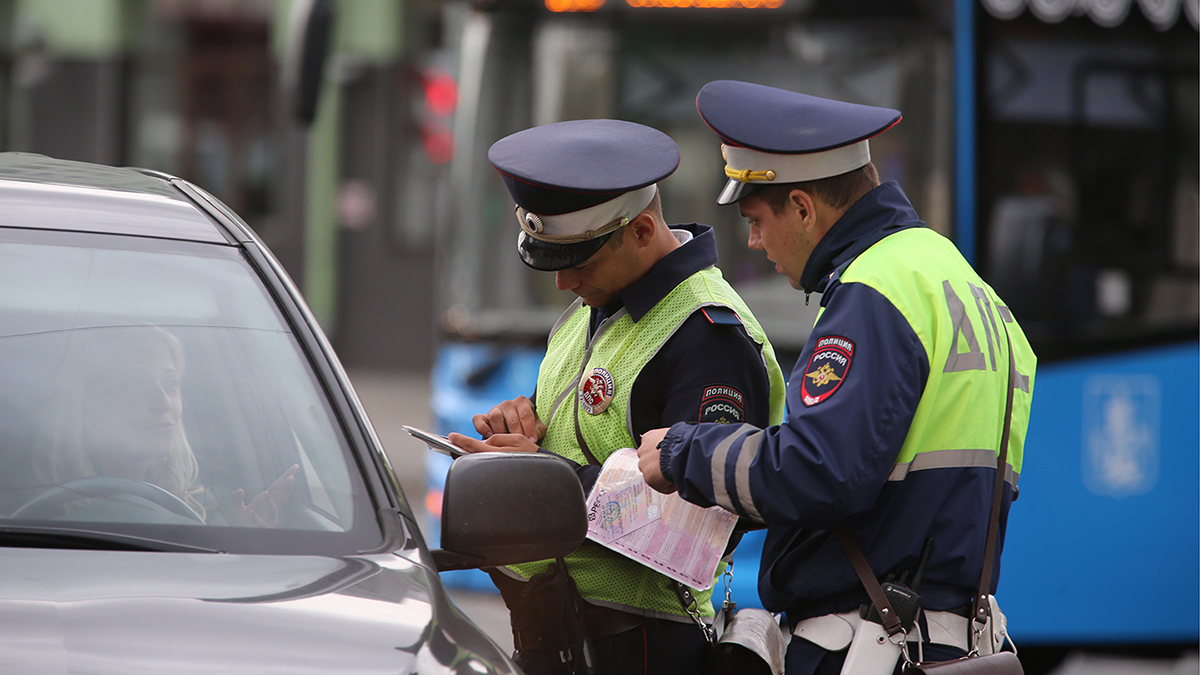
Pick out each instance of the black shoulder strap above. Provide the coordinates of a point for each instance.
(979, 609)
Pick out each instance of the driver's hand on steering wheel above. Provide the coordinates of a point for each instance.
(263, 510)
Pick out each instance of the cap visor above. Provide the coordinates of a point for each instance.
(735, 190)
(547, 257)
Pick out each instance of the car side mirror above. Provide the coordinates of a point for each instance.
(504, 508)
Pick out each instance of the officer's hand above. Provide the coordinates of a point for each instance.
(648, 456)
(494, 443)
(511, 417)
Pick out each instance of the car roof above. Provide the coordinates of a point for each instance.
(54, 194)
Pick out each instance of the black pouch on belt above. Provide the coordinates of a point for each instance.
(562, 619)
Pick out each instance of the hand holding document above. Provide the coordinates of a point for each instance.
(679, 539)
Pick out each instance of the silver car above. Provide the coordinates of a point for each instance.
(188, 483)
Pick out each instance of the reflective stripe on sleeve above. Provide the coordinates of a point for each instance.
(741, 477)
(720, 493)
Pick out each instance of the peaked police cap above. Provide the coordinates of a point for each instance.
(577, 182)
(771, 135)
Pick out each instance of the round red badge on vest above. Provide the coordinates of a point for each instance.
(596, 391)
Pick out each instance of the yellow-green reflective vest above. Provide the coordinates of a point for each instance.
(623, 347)
(962, 324)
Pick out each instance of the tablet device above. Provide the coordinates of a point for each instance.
(436, 442)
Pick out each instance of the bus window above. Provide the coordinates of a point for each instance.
(1088, 181)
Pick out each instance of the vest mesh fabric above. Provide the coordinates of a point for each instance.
(623, 347)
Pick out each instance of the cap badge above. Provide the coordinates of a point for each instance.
(534, 222)
(596, 391)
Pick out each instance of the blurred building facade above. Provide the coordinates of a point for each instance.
(195, 88)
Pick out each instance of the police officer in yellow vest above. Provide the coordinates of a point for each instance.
(656, 336)
(895, 406)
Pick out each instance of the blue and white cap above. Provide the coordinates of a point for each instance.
(577, 182)
(771, 135)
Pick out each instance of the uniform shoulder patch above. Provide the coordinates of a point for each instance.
(827, 369)
(722, 404)
(720, 314)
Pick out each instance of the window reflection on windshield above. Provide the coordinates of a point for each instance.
(143, 387)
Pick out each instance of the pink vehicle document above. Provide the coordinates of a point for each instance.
(663, 532)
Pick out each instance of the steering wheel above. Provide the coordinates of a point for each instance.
(50, 502)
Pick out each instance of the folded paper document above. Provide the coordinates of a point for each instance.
(663, 532)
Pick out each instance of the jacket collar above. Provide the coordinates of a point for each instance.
(882, 211)
(696, 253)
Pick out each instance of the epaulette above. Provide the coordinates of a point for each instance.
(721, 315)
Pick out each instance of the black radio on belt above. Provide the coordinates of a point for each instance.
(905, 603)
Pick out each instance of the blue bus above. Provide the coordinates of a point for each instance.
(1076, 145)
(1055, 141)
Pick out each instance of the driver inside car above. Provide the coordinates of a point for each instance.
(118, 414)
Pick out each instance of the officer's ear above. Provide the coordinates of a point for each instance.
(642, 229)
(804, 206)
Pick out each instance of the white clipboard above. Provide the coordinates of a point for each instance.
(436, 442)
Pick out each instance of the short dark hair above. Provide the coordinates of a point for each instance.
(837, 191)
(654, 207)
(617, 236)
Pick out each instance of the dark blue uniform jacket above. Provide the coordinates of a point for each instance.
(830, 462)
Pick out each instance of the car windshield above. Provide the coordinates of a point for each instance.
(153, 390)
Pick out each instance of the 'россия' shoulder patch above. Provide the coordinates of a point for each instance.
(722, 404)
(827, 369)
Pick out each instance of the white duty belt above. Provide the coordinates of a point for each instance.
(834, 632)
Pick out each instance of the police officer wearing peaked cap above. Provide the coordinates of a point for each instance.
(654, 337)
(772, 137)
(576, 183)
(896, 405)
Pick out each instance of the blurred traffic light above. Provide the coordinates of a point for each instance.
(441, 98)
